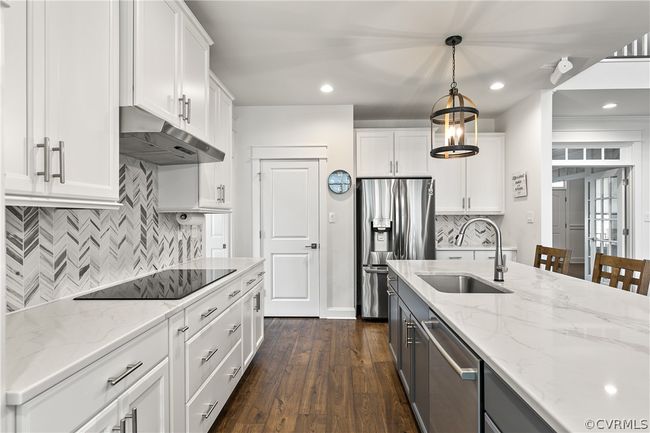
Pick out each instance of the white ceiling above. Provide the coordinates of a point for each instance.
(630, 102)
(389, 58)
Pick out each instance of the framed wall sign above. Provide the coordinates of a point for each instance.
(339, 181)
(520, 184)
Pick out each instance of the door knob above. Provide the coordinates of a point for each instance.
(313, 246)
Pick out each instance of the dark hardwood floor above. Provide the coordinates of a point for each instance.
(314, 375)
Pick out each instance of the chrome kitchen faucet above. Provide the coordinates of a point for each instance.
(499, 260)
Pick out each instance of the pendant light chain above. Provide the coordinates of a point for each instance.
(453, 67)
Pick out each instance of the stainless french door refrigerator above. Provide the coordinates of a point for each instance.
(395, 220)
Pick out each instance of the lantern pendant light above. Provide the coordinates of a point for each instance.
(458, 114)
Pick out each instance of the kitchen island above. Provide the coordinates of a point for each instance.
(577, 353)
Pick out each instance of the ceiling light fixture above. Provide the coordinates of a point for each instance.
(610, 105)
(562, 67)
(458, 114)
(326, 88)
(497, 85)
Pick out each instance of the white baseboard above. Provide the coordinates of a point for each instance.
(348, 313)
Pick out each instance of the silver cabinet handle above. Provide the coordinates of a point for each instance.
(464, 373)
(223, 193)
(61, 149)
(390, 292)
(234, 373)
(207, 313)
(209, 355)
(409, 326)
(129, 369)
(183, 329)
(469, 202)
(259, 274)
(211, 407)
(181, 113)
(455, 257)
(133, 416)
(251, 281)
(234, 293)
(45, 145)
(257, 302)
(396, 166)
(219, 194)
(234, 329)
(188, 104)
(463, 202)
(390, 166)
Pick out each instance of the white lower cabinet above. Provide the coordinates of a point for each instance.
(145, 406)
(166, 380)
(104, 422)
(478, 254)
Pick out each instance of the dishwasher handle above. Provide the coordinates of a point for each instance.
(373, 270)
(464, 373)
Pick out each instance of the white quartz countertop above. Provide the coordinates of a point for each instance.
(573, 350)
(48, 343)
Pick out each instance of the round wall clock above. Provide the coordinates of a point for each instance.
(339, 181)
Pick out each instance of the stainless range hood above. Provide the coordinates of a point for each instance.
(149, 138)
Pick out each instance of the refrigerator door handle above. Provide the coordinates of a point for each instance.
(375, 270)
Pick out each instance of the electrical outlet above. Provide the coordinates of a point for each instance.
(646, 217)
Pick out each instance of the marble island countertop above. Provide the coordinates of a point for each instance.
(50, 342)
(573, 350)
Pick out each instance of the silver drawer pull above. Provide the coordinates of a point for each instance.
(261, 273)
(234, 329)
(235, 293)
(207, 313)
(207, 357)
(464, 373)
(210, 409)
(455, 258)
(251, 281)
(129, 369)
(390, 292)
(183, 329)
(234, 373)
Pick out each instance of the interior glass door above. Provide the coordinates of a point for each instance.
(605, 218)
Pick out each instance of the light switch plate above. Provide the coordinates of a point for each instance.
(646, 217)
(331, 217)
(530, 217)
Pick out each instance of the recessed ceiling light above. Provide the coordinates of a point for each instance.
(326, 88)
(610, 105)
(497, 85)
(610, 389)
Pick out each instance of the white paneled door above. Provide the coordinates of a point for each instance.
(217, 235)
(290, 236)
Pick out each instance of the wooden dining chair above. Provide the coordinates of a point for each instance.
(622, 272)
(553, 259)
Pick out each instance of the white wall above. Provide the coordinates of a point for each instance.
(641, 175)
(527, 126)
(330, 125)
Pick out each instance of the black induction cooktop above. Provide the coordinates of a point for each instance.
(169, 284)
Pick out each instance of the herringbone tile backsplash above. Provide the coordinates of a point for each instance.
(52, 253)
(478, 234)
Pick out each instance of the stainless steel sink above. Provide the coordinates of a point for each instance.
(460, 284)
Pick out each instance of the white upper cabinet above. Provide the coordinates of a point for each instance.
(150, 57)
(486, 176)
(473, 185)
(393, 153)
(61, 148)
(206, 188)
(374, 153)
(195, 80)
(412, 149)
(449, 177)
(164, 54)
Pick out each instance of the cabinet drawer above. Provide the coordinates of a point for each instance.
(252, 278)
(67, 405)
(208, 347)
(455, 255)
(489, 255)
(507, 411)
(204, 408)
(202, 312)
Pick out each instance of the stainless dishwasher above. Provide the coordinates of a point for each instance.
(454, 381)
